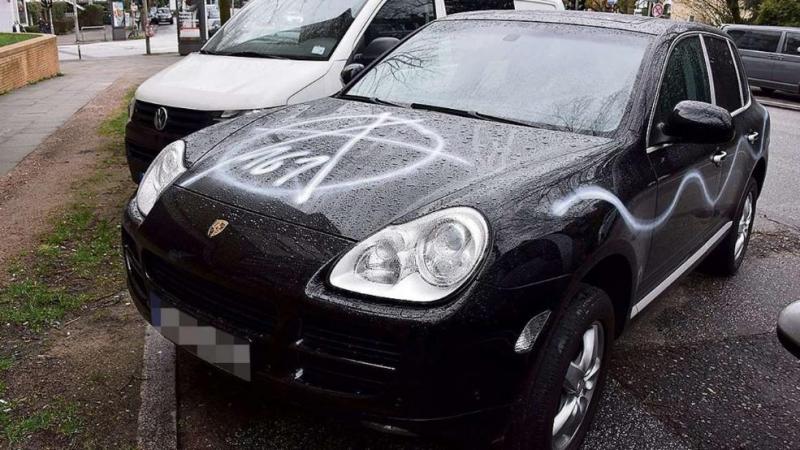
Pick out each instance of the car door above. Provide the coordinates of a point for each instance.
(687, 179)
(787, 68)
(759, 51)
(734, 168)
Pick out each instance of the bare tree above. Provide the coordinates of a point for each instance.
(718, 12)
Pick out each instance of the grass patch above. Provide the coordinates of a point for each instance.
(61, 417)
(13, 38)
(79, 258)
(114, 126)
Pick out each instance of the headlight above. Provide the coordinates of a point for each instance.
(167, 166)
(420, 261)
(131, 108)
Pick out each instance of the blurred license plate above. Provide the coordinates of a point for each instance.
(226, 351)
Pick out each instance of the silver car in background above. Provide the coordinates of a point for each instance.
(771, 56)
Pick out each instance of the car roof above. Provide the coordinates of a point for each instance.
(625, 22)
(758, 27)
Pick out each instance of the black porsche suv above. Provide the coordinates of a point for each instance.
(455, 240)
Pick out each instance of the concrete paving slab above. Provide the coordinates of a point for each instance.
(32, 113)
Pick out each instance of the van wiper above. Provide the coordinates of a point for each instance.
(251, 55)
(473, 114)
(374, 100)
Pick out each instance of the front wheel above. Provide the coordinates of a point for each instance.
(726, 259)
(558, 401)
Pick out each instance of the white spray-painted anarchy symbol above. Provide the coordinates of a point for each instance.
(292, 162)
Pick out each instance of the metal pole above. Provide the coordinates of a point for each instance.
(77, 26)
(52, 28)
(145, 23)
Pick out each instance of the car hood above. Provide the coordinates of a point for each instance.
(218, 83)
(349, 168)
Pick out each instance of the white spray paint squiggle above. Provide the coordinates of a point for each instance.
(265, 160)
(587, 193)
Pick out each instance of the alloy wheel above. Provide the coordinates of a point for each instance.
(744, 226)
(579, 386)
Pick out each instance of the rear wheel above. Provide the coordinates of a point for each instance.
(728, 256)
(558, 401)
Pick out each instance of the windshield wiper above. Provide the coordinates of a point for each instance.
(374, 100)
(473, 114)
(251, 55)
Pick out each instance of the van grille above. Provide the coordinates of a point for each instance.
(179, 120)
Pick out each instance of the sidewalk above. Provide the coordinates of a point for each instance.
(165, 41)
(30, 114)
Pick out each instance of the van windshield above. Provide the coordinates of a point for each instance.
(291, 29)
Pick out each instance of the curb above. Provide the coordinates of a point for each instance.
(777, 104)
(158, 411)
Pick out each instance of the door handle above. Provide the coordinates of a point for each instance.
(718, 157)
(753, 137)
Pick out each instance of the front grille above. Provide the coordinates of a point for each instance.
(180, 121)
(210, 300)
(350, 362)
(141, 153)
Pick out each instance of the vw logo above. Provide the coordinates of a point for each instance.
(160, 119)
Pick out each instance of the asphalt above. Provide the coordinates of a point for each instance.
(700, 368)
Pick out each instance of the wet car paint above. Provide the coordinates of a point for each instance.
(557, 204)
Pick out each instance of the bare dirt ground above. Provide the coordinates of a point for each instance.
(41, 183)
(69, 370)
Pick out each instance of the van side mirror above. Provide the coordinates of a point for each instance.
(789, 328)
(699, 122)
(376, 49)
(350, 71)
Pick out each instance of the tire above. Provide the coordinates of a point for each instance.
(726, 259)
(532, 422)
(767, 91)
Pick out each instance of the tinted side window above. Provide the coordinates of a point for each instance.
(398, 18)
(744, 86)
(763, 41)
(726, 83)
(685, 78)
(457, 6)
(792, 46)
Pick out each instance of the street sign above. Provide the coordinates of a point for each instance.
(658, 10)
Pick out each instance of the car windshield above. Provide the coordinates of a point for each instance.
(572, 78)
(295, 29)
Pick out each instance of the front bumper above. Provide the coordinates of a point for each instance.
(264, 280)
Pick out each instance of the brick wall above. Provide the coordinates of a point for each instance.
(28, 61)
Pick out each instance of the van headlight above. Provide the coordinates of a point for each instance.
(131, 108)
(420, 261)
(167, 166)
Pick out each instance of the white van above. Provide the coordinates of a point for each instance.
(274, 53)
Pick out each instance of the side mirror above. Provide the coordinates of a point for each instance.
(350, 71)
(376, 49)
(699, 122)
(789, 328)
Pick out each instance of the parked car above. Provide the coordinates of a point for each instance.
(163, 15)
(273, 54)
(455, 240)
(539, 5)
(789, 328)
(771, 56)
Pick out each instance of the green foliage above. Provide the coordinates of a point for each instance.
(780, 13)
(34, 12)
(92, 15)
